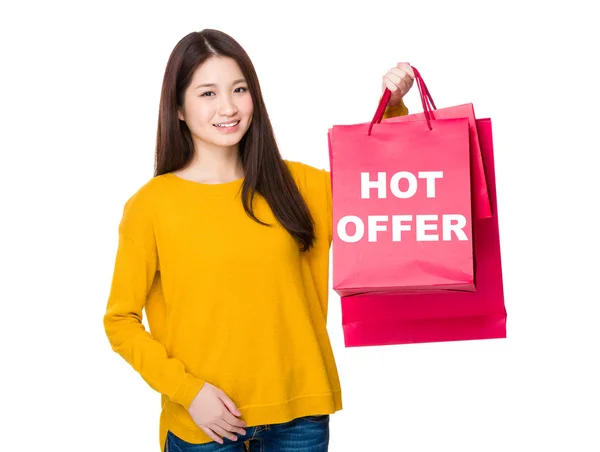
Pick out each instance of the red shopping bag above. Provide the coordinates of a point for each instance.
(402, 205)
(384, 319)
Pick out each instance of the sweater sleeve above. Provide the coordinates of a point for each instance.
(397, 110)
(135, 268)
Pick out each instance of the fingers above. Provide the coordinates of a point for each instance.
(401, 76)
(396, 80)
(387, 83)
(234, 422)
(223, 429)
(230, 428)
(406, 67)
(230, 414)
(405, 86)
(396, 84)
(223, 433)
(398, 74)
(212, 434)
(399, 79)
(229, 404)
(217, 433)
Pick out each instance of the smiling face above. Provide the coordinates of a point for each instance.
(217, 107)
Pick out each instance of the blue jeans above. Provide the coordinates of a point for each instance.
(305, 434)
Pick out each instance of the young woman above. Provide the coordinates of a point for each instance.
(227, 250)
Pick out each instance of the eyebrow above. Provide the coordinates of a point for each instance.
(212, 85)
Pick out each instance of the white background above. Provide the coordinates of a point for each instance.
(80, 87)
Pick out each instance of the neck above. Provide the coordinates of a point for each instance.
(215, 164)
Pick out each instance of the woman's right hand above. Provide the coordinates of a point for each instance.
(216, 414)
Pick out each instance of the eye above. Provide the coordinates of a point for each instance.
(241, 89)
(207, 94)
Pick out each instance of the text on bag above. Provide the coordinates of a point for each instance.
(426, 226)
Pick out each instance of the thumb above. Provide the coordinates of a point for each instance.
(230, 405)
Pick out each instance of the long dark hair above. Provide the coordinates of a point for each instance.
(265, 172)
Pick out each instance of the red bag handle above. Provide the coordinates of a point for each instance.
(424, 94)
(428, 97)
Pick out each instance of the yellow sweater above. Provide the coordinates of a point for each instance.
(228, 301)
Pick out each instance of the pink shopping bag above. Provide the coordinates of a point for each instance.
(384, 319)
(402, 205)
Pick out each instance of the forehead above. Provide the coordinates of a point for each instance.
(218, 70)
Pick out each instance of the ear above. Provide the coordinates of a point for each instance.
(180, 114)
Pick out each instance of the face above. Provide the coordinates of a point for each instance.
(217, 104)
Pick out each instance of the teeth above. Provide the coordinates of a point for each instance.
(231, 124)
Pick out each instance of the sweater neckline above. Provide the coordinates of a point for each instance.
(207, 186)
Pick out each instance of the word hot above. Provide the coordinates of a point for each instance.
(426, 227)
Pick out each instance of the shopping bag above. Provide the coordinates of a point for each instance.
(401, 205)
(384, 319)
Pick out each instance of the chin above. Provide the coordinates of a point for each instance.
(228, 141)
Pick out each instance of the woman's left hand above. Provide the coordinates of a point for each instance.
(398, 80)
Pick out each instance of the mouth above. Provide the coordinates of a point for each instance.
(227, 125)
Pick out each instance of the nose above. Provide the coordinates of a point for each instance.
(227, 106)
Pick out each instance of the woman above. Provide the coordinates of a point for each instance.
(227, 249)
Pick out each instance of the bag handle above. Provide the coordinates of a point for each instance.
(428, 97)
(424, 94)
